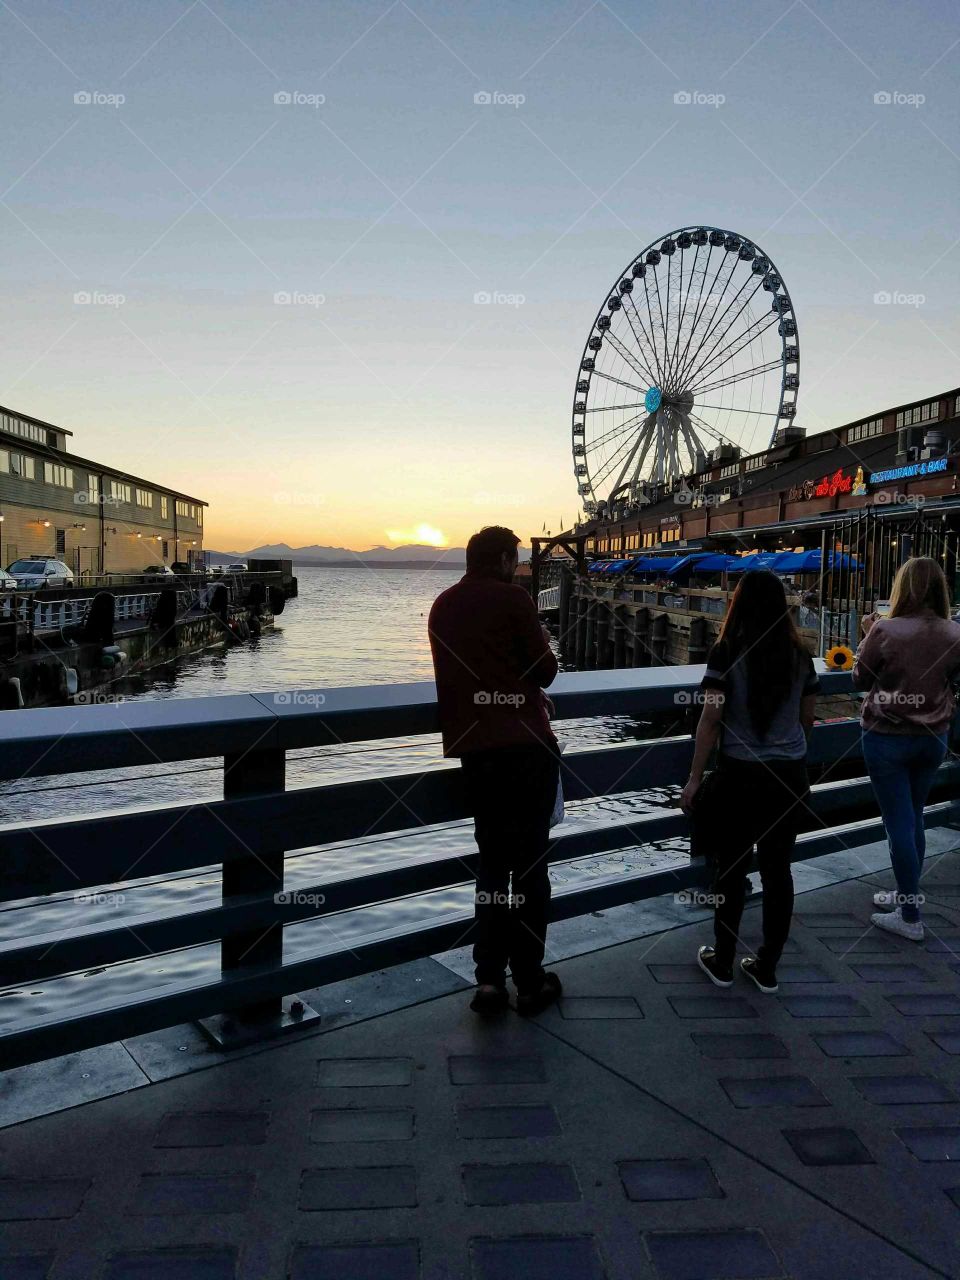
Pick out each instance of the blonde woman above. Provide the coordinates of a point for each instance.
(906, 664)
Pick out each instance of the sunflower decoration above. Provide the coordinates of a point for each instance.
(839, 658)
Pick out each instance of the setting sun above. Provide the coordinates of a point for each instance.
(423, 535)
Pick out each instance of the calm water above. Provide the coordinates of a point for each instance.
(347, 627)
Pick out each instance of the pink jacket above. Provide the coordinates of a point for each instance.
(905, 665)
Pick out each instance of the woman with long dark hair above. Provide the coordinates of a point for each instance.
(758, 693)
(906, 664)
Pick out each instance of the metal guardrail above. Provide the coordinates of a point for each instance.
(547, 599)
(257, 820)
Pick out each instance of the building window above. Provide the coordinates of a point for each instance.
(732, 469)
(55, 473)
(756, 462)
(144, 498)
(164, 507)
(27, 430)
(61, 541)
(919, 413)
(166, 550)
(17, 464)
(93, 490)
(864, 430)
(119, 491)
(187, 509)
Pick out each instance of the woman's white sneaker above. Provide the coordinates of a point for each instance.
(894, 922)
(886, 898)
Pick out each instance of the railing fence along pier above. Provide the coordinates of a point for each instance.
(258, 820)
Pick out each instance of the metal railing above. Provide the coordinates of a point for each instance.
(258, 819)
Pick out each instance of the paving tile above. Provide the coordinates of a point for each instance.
(941, 946)
(513, 1069)
(525, 1121)
(536, 1258)
(830, 920)
(824, 1007)
(954, 1194)
(933, 1143)
(866, 944)
(184, 1193)
(686, 1179)
(24, 1199)
(212, 1129)
(676, 973)
(389, 1260)
(773, 1091)
(827, 1146)
(364, 1073)
(719, 1005)
(362, 1124)
(802, 973)
(599, 1007)
(215, 1263)
(26, 1266)
(901, 1090)
(948, 1041)
(926, 1005)
(501, 1184)
(860, 1044)
(744, 1045)
(353, 1188)
(712, 1255)
(890, 971)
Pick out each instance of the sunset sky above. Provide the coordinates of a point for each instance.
(283, 318)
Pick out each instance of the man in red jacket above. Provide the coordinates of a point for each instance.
(492, 662)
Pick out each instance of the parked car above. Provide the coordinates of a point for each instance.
(41, 571)
(7, 581)
(180, 566)
(237, 566)
(159, 571)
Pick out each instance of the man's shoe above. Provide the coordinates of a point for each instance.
(886, 898)
(490, 1000)
(765, 982)
(894, 922)
(549, 993)
(718, 975)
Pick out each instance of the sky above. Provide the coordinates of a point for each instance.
(242, 244)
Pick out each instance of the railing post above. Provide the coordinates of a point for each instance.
(249, 774)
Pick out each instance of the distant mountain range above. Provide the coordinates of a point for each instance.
(412, 556)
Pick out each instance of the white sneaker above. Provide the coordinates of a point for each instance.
(894, 922)
(886, 898)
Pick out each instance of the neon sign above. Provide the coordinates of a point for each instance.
(827, 486)
(928, 468)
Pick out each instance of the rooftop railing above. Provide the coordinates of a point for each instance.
(248, 832)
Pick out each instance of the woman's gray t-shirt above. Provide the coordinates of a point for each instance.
(784, 739)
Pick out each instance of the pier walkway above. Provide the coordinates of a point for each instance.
(651, 1126)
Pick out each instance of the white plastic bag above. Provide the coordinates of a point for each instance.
(556, 817)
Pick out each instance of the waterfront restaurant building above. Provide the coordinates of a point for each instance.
(98, 519)
(898, 460)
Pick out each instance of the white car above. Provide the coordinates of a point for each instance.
(7, 583)
(40, 571)
(236, 567)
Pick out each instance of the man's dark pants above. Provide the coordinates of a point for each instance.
(511, 791)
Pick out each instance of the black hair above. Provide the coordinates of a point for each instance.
(486, 547)
(759, 631)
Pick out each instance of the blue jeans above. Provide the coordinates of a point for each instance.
(902, 768)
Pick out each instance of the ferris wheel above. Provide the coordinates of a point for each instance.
(694, 348)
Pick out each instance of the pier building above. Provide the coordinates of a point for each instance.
(96, 518)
